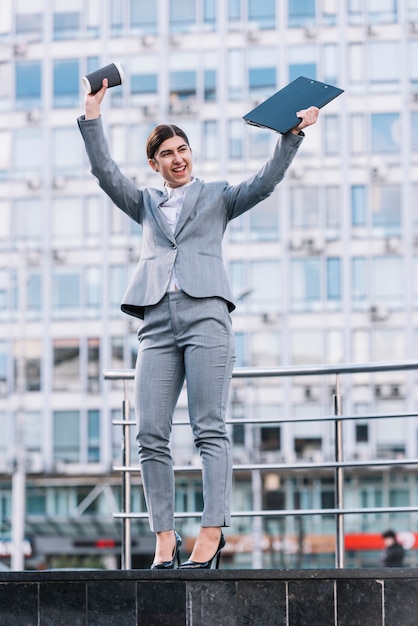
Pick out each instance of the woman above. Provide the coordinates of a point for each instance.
(181, 294)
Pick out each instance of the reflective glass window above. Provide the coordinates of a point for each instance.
(66, 83)
(66, 436)
(67, 25)
(28, 81)
(385, 129)
(66, 364)
(301, 13)
(263, 13)
(143, 16)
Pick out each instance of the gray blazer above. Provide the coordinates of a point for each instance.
(196, 246)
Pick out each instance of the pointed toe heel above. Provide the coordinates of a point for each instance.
(176, 556)
(206, 564)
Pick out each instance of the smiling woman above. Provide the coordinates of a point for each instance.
(181, 294)
(171, 156)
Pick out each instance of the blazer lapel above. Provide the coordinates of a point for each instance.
(160, 217)
(190, 199)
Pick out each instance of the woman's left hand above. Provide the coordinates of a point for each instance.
(308, 117)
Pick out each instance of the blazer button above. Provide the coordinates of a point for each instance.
(173, 245)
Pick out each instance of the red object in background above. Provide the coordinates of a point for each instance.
(374, 541)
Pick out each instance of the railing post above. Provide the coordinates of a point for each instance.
(126, 557)
(339, 477)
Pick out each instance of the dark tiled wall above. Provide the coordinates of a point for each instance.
(380, 597)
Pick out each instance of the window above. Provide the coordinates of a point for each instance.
(29, 25)
(235, 140)
(302, 62)
(386, 209)
(66, 25)
(209, 85)
(143, 16)
(66, 436)
(27, 219)
(330, 59)
(182, 15)
(333, 277)
(182, 86)
(93, 294)
(261, 281)
(356, 66)
(263, 13)
(358, 139)
(305, 284)
(144, 83)
(382, 282)
(265, 348)
(260, 144)
(362, 433)
(304, 207)
(67, 219)
(384, 65)
(234, 10)
(332, 134)
(235, 73)
(66, 83)
(301, 13)
(66, 374)
(414, 129)
(270, 437)
(264, 220)
(385, 129)
(28, 84)
(117, 286)
(388, 287)
(93, 436)
(305, 289)
(36, 501)
(382, 11)
(33, 432)
(261, 72)
(210, 140)
(66, 292)
(93, 364)
(34, 298)
(33, 365)
(209, 13)
(359, 280)
(68, 162)
(358, 205)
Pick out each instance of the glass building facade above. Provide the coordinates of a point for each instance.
(324, 271)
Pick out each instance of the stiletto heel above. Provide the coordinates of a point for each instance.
(176, 556)
(206, 564)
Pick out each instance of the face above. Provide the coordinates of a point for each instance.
(173, 160)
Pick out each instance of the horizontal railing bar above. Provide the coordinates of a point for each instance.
(285, 466)
(307, 370)
(274, 420)
(283, 513)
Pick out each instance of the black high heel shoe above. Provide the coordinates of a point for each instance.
(206, 564)
(176, 556)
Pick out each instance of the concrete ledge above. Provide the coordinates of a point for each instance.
(376, 597)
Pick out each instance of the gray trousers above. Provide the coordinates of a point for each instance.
(185, 338)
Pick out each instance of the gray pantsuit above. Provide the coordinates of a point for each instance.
(185, 337)
(186, 334)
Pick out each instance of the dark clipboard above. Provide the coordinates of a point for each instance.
(279, 111)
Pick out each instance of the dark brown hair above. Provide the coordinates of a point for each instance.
(160, 134)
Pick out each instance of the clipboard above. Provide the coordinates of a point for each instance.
(279, 111)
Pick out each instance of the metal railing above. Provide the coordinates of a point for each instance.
(339, 465)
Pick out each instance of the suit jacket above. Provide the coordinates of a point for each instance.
(196, 245)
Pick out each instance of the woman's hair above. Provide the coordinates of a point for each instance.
(160, 134)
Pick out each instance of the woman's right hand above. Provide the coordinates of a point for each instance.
(93, 102)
